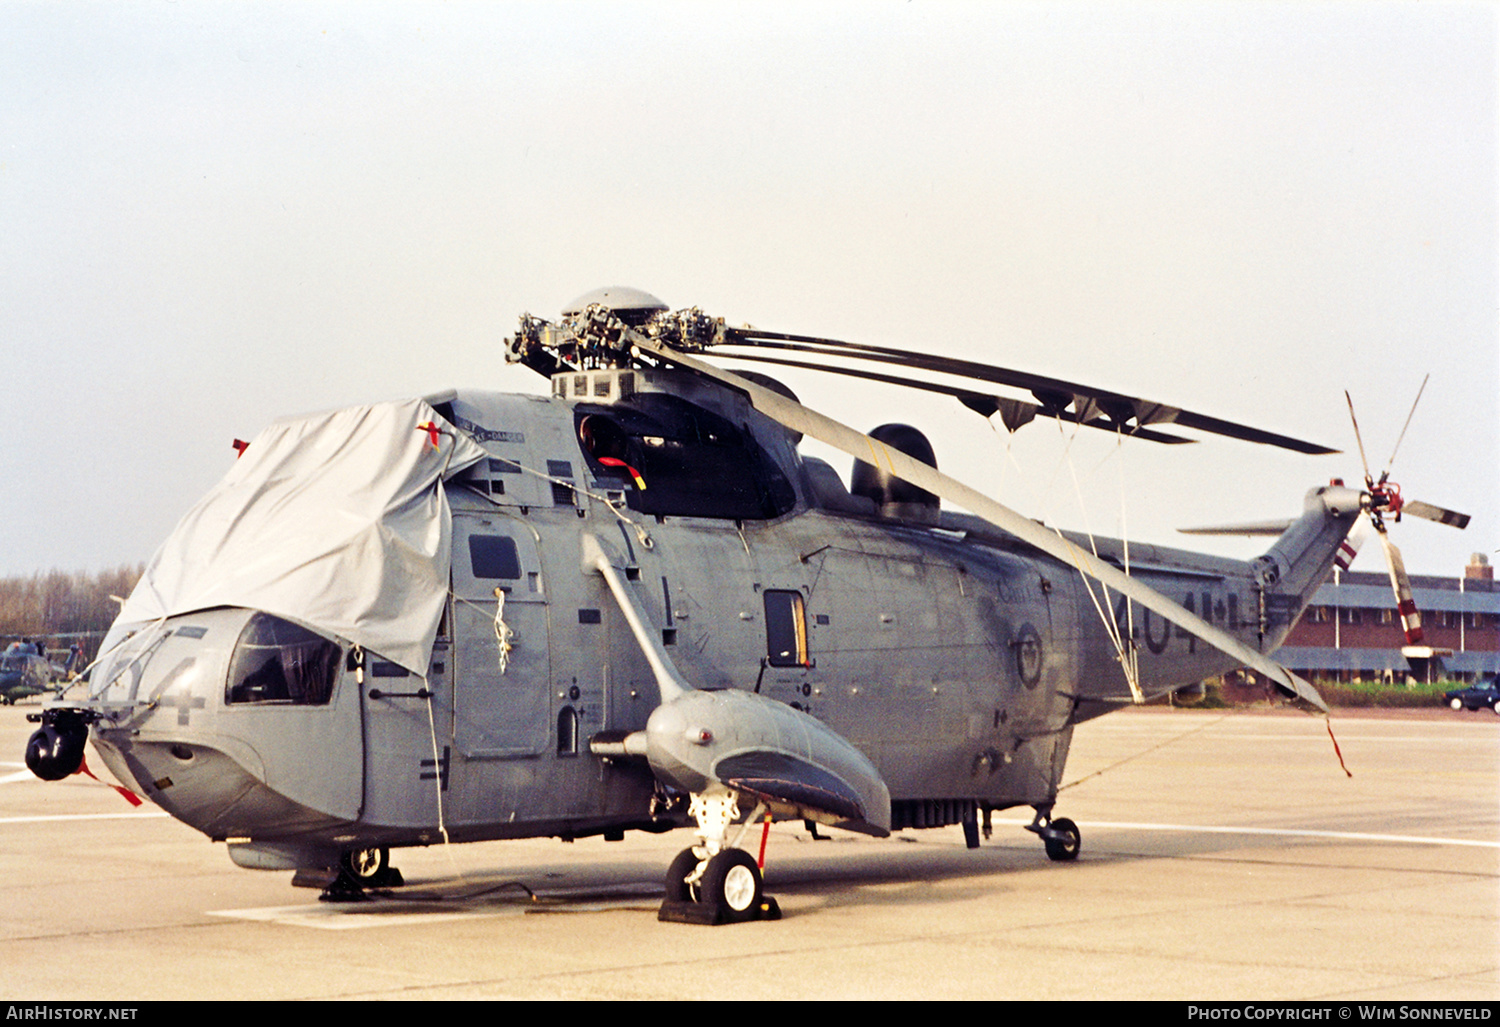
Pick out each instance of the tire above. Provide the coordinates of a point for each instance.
(1457, 704)
(732, 886)
(1063, 850)
(365, 866)
(677, 889)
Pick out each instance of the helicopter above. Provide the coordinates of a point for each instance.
(634, 605)
(27, 669)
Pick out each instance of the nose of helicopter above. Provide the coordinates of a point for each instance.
(212, 716)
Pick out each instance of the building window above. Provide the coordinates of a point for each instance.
(1349, 615)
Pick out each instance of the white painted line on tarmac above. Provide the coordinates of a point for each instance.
(1287, 832)
(333, 916)
(147, 815)
(338, 917)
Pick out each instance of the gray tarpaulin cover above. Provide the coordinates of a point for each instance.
(335, 520)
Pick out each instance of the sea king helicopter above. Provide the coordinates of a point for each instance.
(634, 605)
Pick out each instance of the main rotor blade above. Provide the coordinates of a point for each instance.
(797, 417)
(984, 405)
(1428, 512)
(1053, 392)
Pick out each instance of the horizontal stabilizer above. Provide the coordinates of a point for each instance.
(1256, 528)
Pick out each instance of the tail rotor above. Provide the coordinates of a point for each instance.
(1382, 499)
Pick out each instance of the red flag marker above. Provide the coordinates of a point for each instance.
(611, 461)
(130, 797)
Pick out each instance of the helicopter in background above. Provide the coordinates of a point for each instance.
(633, 604)
(27, 669)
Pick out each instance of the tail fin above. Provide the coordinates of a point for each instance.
(1302, 557)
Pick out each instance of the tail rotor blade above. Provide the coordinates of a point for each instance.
(1365, 463)
(1406, 605)
(1427, 511)
(1407, 425)
(1350, 547)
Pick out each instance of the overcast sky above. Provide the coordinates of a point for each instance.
(216, 214)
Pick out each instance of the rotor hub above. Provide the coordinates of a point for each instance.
(632, 306)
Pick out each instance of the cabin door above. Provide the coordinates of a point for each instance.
(501, 666)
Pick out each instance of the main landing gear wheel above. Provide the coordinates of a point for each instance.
(677, 888)
(714, 883)
(732, 886)
(729, 891)
(1064, 845)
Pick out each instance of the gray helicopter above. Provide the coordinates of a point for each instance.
(27, 668)
(634, 605)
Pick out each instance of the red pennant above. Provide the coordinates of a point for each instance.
(1328, 722)
(129, 796)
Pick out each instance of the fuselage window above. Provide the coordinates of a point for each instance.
(276, 661)
(786, 629)
(567, 732)
(494, 556)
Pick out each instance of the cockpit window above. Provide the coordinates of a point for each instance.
(275, 661)
(676, 459)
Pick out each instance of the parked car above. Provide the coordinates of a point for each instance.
(1476, 697)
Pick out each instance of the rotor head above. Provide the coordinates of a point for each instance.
(633, 306)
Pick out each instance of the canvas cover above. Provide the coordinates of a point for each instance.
(336, 520)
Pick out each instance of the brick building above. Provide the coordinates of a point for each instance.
(1351, 629)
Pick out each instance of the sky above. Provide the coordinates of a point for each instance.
(215, 214)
